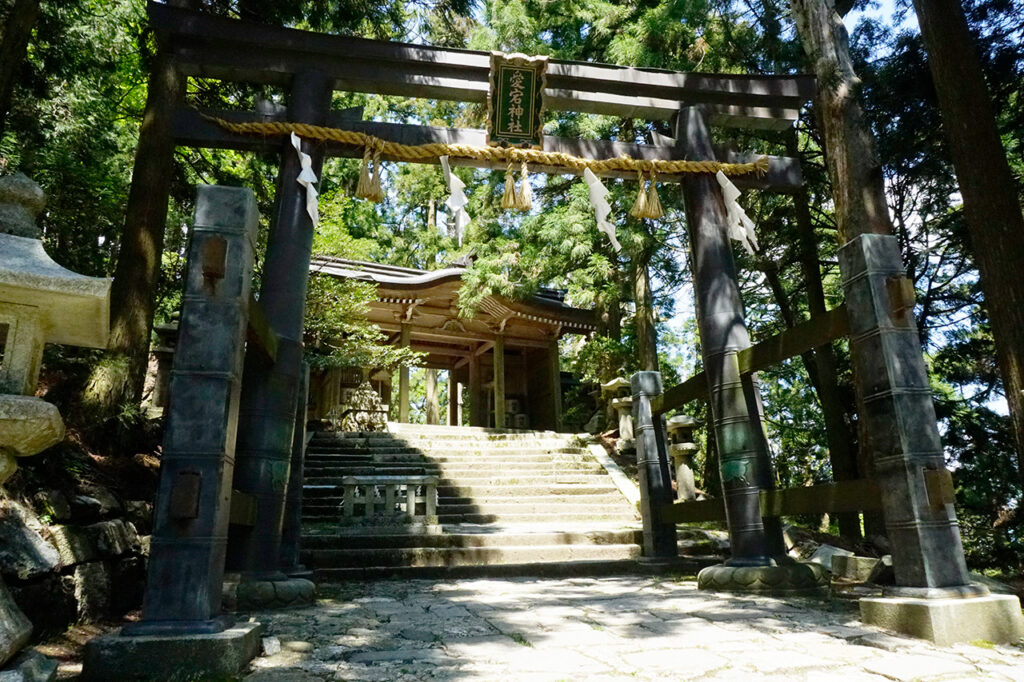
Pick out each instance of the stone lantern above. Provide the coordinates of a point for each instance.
(40, 303)
(681, 449)
(622, 402)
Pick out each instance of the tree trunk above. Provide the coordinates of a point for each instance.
(13, 47)
(842, 439)
(118, 379)
(986, 182)
(646, 336)
(858, 185)
(853, 166)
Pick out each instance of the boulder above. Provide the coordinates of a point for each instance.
(15, 628)
(96, 500)
(92, 591)
(28, 425)
(113, 538)
(52, 503)
(24, 554)
(51, 601)
(823, 555)
(75, 545)
(140, 514)
(30, 666)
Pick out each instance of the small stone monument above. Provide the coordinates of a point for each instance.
(681, 449)
(40, 302)
(622, 402)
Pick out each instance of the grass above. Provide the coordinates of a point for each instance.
(519, 639)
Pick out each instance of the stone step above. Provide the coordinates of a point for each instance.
(457, 467)
(319, 504)
(599, 537)
(517, 491)
(320, 448)
(333, 513)
(465, 556)
(689, 566)
(477, 445)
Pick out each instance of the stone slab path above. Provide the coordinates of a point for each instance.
(631, 627)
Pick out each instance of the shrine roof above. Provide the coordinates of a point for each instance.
(428, 301)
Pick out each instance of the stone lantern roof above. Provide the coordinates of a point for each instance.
(73, 309)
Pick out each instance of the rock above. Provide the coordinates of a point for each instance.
(823, 555)
(15, 628)
(24, 554)
(594, 425)
(21, 190)
(28, 425)
(53, 503)
(271, 646)
(994, 586)
(51, 601)
(882, 573)
(853, 568)
(74, 545)
(85, 507)
(93, 504)
(30, 666)
(18, 221)
(140, 514)
(92, 591)
(113, 538)
(108, 504)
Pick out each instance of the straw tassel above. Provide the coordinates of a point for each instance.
(639, 209)
(508, 199)
(376, 193)
(654, 209)
(363, 186)
(524, 198)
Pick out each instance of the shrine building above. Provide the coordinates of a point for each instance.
(502, 362)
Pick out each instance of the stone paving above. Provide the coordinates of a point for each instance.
(631, 627)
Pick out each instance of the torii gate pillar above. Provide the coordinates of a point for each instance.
(267, 414)
(744, 463)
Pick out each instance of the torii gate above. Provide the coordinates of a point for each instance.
(896, 406)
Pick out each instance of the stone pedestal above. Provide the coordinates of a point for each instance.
(165, 658)
(682, 449)
(993, 618)
(624, 410)
(682, 461)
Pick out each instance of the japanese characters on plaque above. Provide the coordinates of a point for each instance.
(515, 101)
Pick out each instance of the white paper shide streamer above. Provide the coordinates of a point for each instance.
(598, 199)
(741, 228)
(457, 200)
(307, 178)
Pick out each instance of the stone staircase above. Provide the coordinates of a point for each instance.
(509, 503)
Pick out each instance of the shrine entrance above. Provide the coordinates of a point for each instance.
(211, 480)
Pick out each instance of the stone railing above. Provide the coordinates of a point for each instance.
(391, 499)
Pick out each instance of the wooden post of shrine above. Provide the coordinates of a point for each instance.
(555, 374)
(454, 399)
(499, 381)
(403, 377)
(476, 401)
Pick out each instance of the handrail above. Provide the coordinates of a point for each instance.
(844, 496)
(797, 340)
